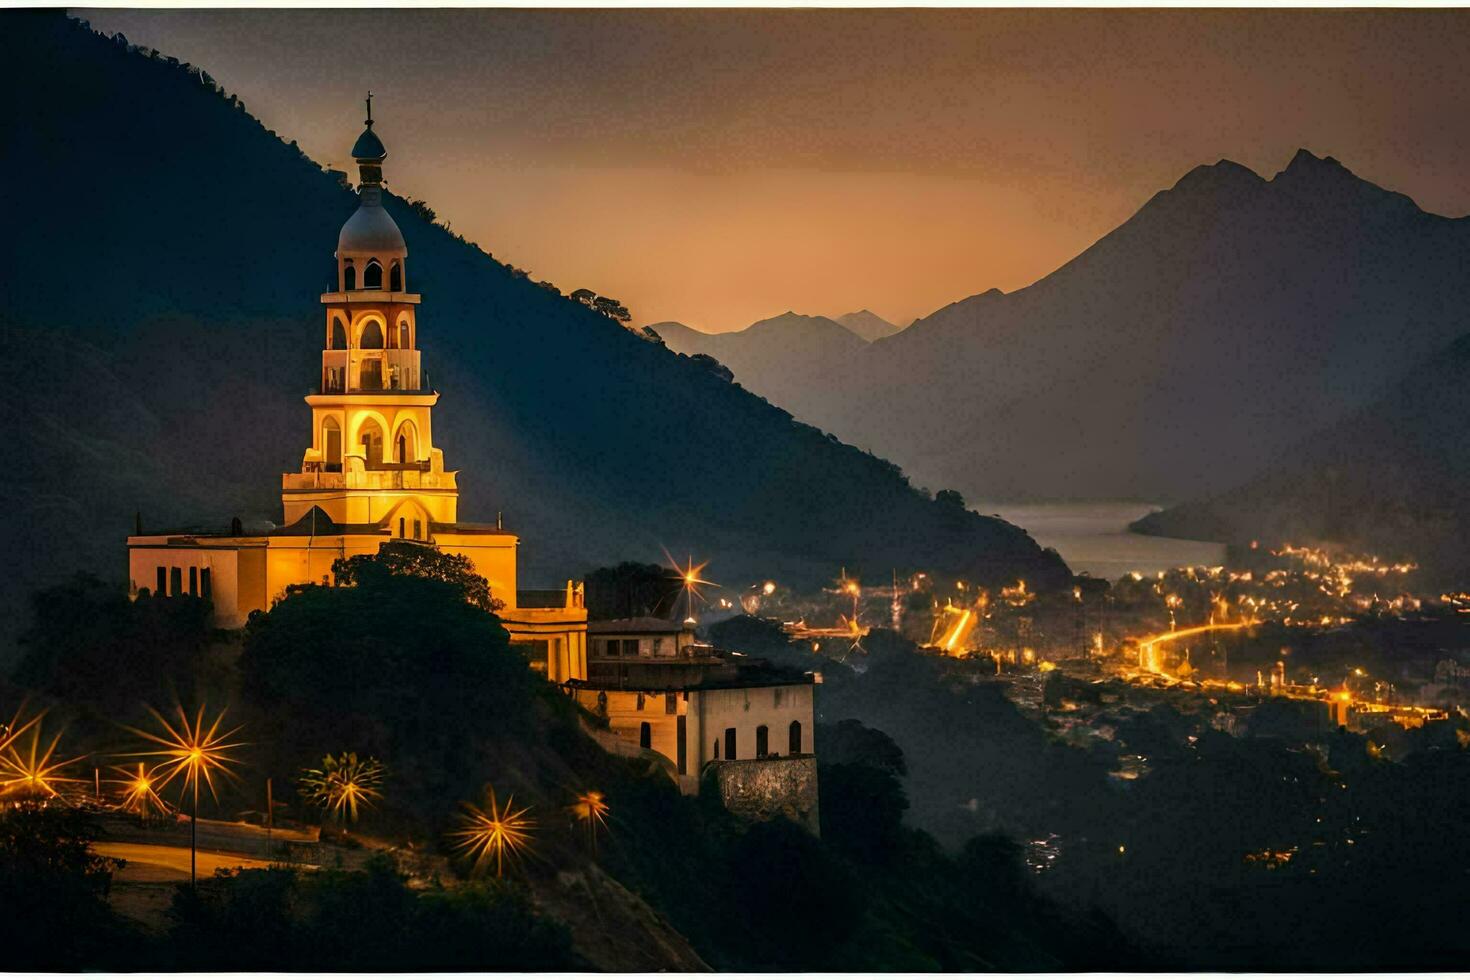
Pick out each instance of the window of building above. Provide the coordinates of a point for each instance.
(162, 587)
(401, 522)
(671, 703)
(395, 278)
(175, 581)
(681, 750)
(372, 336)
(795, 747)
(403, 335)
(730, 746)
(339, 334)
(762, 741)
(639, 706)
(372, 276)
(206, 584)
(349, 277)
(645, 736)
(193, 580)
(418, 529)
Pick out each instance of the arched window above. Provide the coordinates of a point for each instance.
(762, 741)
(332, 445)
(400, 527)
(372, 336)
(405, 446)
(372, 276)
(349, 276)
(403, 335)
(795, 747)
(339, 334)
(645, 735)
(395, 278)
(730, 753)
(371, 440)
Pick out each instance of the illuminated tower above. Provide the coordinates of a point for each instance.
(372, 461)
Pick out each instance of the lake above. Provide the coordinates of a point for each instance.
(1093, 537)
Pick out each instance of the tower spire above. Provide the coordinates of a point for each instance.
(369, 119)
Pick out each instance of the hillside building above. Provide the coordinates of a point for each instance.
(705, 712)
(371, 471)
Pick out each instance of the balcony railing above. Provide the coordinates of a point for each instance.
(358, 371)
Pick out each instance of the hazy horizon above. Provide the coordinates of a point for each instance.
(717, 167)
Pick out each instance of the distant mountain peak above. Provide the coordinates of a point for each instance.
(1305, 161)
(1214, 178)
(867, 325)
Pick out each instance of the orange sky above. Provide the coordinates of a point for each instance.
(720, 166)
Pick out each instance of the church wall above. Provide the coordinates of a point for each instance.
(494, 557)
(627, 711)
(745, 709)
(235, 580)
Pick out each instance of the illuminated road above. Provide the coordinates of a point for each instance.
(167, 862)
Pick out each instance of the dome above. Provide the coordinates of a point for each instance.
(368, 146)
(373, 231)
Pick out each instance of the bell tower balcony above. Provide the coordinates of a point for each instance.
(357, 371)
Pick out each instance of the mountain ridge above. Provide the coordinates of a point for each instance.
(196, 300)
(1228, 316)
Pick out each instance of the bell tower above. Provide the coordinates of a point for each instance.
(372, 462)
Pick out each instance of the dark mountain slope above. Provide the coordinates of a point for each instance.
(1225, 320)
(777, 358)
(168, 253)
(1392, 478)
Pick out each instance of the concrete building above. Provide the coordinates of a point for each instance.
(371, 472)
(707, 713)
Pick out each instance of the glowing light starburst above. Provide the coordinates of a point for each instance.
(592, 809)
(139, 796)
(343, 784)
(192, 752)
(690, 580)
(502, 831)
(27, 770)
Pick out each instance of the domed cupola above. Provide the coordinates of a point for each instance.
(370, 244)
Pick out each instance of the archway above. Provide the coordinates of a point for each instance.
(339, 334)
(794, 746)
(332, 445)
(395, 278)
(372, 336)
(403, 337)
(406, 444)
(349, 276)
(372, 276)
(370, 437)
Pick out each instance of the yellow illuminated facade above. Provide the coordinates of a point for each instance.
(371, 471)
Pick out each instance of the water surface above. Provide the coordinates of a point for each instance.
(1093, 537)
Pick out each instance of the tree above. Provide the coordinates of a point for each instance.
(612, 309)
(631, 589)
(420, 561)
(421, 208)
(341, 785)
(950, 498)
(54, 892)
(403, 668)
(605, 305)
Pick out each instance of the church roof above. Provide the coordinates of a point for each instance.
(368, 146)
(371, 229)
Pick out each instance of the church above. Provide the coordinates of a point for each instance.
(371, 472)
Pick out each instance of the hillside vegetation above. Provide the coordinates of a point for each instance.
(164, 264)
